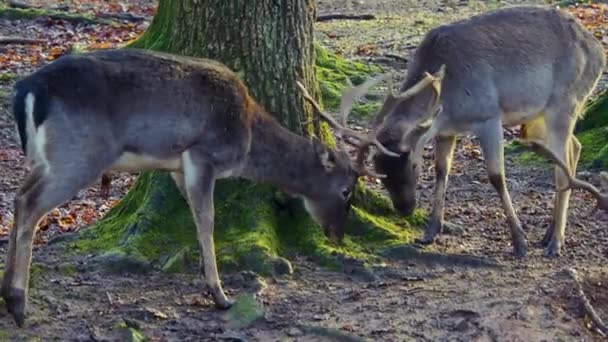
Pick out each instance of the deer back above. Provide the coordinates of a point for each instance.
(513, 61)
(132, 102)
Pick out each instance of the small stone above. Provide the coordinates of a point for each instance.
(244, 312)
(294, 332)
(453, 229)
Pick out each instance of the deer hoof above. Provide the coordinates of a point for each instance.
(221, 301)
(433, 228)
(520, 248)
(425, 240)
(15, 305)
(546, 238)
(223, 304)
(554, 249)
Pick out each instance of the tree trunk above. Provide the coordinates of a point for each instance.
(269, 43)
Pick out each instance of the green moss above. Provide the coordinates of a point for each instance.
(66, 269)
(146, 224)
(594, 153)
(132, 335)
(245, 311)
(4, 335)
(595, 147)
(7, 77)
(523, 155)
(335, 73)
(255, 225)
(596, 113)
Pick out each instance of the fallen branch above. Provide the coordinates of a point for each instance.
(121, 16)
(35, 13)
(19, 4)
(602, 328)
(335, 16)
(19, 40)
(397, 57)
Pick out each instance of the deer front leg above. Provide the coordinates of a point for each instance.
(490, 137)
(444, 151)
(199, 182)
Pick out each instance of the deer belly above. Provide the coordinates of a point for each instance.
(515, 118)
(133, 162)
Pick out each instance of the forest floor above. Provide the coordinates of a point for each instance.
(433, 295)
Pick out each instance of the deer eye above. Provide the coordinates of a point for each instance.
(346, 193)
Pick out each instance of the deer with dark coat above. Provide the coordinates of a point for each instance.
(129, 110)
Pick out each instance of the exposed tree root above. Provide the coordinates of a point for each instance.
(589, 310)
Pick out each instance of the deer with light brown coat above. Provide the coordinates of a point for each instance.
(528, 66)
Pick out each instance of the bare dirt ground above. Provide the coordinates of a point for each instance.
(466, 287)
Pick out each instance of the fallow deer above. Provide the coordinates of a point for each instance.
(528, 66)
(86, 115)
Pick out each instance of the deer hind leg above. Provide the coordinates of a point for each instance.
(490, 136)
(555, 235)
(9, 268)
(574, 152)
(199, 180)
(49, 190)
(444, 151)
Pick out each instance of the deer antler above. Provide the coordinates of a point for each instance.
(346, 103)
(573, 183)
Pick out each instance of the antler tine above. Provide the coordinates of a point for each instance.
(349, 96)
(423, 83)
(573, 182)
(341, 130)
(416, 88)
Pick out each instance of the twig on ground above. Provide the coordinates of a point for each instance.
(19, 40)
(397, 57)
(589, 310)
(121, 16)
(336, 16)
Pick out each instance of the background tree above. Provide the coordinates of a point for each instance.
(269, 44)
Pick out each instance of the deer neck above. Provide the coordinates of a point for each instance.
(280, 157)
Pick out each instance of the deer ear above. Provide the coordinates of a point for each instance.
(604, 181)
(323, 154)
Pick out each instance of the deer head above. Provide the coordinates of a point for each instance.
(338, 158)
(400, 125)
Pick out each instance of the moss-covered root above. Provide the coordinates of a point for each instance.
(256, 228)
(34, 13)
